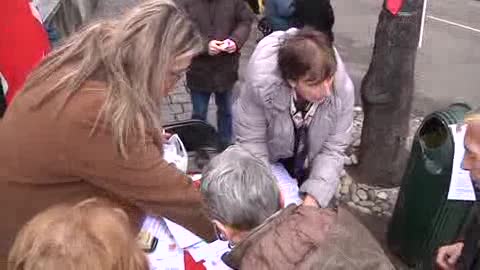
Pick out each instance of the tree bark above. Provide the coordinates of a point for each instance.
(387, 93)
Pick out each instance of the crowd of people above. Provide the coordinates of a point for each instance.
(82, 160)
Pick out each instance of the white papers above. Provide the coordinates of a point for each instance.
(183, 237)
(200, 251)
(287, 185)
(167, 254)
(211, 254)
(461, 187)
(173, 239)
(172, 262)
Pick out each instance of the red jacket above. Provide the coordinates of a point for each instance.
(23, 43)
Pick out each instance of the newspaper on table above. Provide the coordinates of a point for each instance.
(211, 254)
(167, 254)
(461, 187)
(173, 239)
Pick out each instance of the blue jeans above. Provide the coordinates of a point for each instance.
(200, 100)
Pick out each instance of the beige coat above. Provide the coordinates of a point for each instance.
(49, 157)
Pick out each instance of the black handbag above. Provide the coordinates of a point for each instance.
(264, 27)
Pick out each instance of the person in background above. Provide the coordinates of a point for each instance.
(296, 108)
(317, 14)
(89, 235)
(280, 14)
(245, 205)
(225, 27)
(88, 124)
(23, 44)
(464, 254)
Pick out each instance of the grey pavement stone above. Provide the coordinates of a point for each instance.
(180, 98)
(187, 107)
(183, 116)
(168, 117)
(175, 108)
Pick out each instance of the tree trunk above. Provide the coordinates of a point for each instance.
(387, 93)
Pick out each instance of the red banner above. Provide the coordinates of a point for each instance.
(23, 43)
(394, 6)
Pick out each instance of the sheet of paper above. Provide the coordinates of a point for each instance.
(200, 251)
(461, 187)
(214, 258)
(166, 245)
(182, 236)
(169, 263)
(287, 184)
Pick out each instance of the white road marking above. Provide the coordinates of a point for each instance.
(422, 26)
(454, 23)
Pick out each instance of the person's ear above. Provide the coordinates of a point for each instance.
(328, 83)
(224, 232)
(292, 83)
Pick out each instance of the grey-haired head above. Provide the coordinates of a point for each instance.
(239, 190)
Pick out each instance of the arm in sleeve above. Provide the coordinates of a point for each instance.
(327, 165)
(144, 179)
(250, 123)
(243, 20)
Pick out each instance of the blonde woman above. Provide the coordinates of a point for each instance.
(88, 236)
(88, 123)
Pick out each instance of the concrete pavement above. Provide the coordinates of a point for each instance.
(448, 63)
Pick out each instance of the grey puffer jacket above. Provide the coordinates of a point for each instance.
(263, 125)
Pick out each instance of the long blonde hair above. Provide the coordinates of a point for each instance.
(91, 235)
(134, 56)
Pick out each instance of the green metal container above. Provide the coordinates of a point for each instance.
(423, 218)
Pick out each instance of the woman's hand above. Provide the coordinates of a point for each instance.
(447, 256)
(214, 47)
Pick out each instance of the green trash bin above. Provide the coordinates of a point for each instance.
(423, 218)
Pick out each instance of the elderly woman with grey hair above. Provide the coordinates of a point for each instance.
(245, 205)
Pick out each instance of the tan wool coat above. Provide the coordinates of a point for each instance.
(50, 156)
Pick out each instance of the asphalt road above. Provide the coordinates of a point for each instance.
(448, 64)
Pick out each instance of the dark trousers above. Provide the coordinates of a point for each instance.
(200, 100)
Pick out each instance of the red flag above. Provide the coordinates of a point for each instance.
(394, 6)
(23, 43)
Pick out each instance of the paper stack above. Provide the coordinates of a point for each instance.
(173, 239)
(211, 254)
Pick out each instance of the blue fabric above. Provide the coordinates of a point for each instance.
(279, 14)
(200, 100)
(53, 35)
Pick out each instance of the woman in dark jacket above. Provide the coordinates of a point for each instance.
(225, 27)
